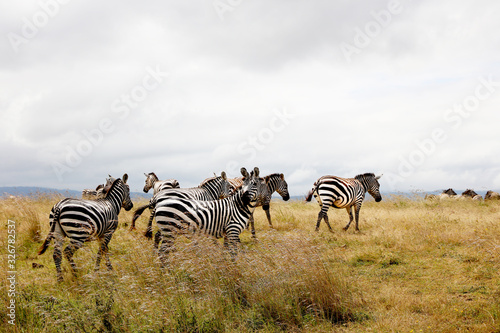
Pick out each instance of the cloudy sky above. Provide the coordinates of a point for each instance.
(410, 89)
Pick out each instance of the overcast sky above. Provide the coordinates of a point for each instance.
(408, 89)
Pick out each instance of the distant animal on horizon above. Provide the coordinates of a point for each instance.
(470, 194)
(344, 193)
(448, 194)
(93, 194)
(86, 220)
(152, 182)
(266, 187)
(491, 195)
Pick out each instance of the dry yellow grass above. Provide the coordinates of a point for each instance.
(415, 266)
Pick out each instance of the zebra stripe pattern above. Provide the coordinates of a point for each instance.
(210, 189)
(152, 182)
(267, 186)
(219, 218)
(344, 193)
(85, 220)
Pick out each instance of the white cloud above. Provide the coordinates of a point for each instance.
(226, 78)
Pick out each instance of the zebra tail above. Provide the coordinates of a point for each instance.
(310, 194)
(54, 219)
(138, 213)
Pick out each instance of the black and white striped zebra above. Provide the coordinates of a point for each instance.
(152, 182)
(210, 189)
(267, 186)
(218, 218)
(344, 193)
(85, 220)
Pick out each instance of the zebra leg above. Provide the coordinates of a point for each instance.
(349, 212)
(233, 240)
(149, 230)
(104, 250)
(251, 224)
(157, 239)
(58, 257)
(323, 214)
(165, 248)
(70, 250)
(268, 214)
(356, 213)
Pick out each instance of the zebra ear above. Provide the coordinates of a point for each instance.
(244, 172)
(223, 175)
(145, 174)
(256, 172)
(282, 176)
(378, 177)
(125, 178)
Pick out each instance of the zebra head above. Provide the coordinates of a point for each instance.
(276, 182)
(119, 185)
(250, 187)
(371, 185)
(218, 186)
(226, 189)
(151, 178)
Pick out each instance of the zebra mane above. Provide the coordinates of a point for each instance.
(152, 174)
(208, 180)
(365, 175)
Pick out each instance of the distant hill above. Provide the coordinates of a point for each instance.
(33, 191)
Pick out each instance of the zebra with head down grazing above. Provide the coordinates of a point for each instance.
(85, 220)
(210, 189)
(218, 218)
(471, 195)
(344, 193)
(93, 194)
(152, 182)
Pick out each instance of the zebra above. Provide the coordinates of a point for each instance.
(447, 194)
(344, 193)
(491, 195)
(210, 189)
(93, 194)
(267, 186)
(471, 194)
(218, 218)
(152, 182)
(85, 220)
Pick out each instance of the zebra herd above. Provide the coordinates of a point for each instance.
(220, 207)
(467, 194)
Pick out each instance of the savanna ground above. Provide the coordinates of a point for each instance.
(416, 266)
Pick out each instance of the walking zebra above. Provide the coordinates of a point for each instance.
(152, 182)
(85, 220)
(93, 194)
(344, 193)
(219, 218)
(210, 189)
(266, 187)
